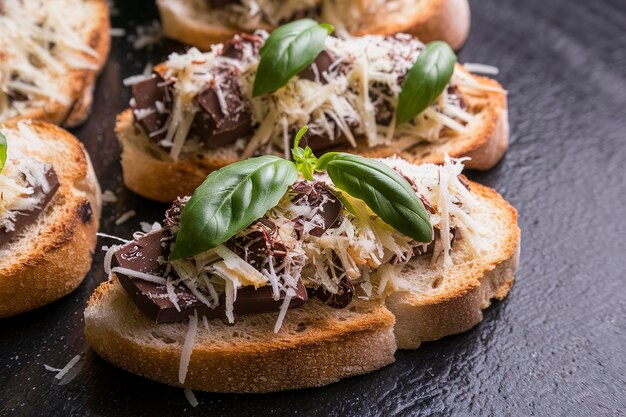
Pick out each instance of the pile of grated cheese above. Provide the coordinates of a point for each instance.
(367, 73)
(40, 41)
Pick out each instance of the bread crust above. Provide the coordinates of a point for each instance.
(447, 20)
(422, 318)
(60, 256)
(328, 351)
(80, 82)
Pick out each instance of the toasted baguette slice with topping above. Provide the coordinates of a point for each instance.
(55, 81)
(193, 22)
(50, 256)
(434, 301)
(317, 345)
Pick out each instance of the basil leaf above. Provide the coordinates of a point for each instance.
(384, 191)
(287, 52)
(231, 199)
(304, 158)
(425, 81)
(3, 151)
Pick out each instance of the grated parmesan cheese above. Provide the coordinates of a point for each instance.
(185, 355)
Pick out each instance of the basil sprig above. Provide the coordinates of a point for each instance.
(304, 158)
(229, 200)
(425, 81)
(287, 52)
(385, 192)
(3, 151)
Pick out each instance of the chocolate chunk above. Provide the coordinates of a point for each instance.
(429, 248)
(322, 63)
(341, 299)
(315, 194)
(146, 93)
(257, 246)
(215, 126)
(234, 47)
(27, 217)
(344, 293)
(142, 255)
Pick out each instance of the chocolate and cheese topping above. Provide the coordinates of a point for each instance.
(27, 185)
(198, 101)
(308, 246)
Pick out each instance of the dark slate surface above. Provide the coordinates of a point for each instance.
(555, 347)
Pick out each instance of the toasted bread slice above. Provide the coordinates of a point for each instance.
(49, 258)
(317, 345)
(191, 22)
(149, 171)
(443, 301)
(88, 18)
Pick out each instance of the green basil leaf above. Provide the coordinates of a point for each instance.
(3, 151)
(425, 81)
(231, 199)
(304, 158)
(287, 52)
(384, 191)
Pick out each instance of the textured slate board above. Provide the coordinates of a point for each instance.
(555, 347)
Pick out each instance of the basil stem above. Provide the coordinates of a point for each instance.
(3, 151)
(304, 158)
(384, 191)
(287, 52)
(425, 81)
(231, 199)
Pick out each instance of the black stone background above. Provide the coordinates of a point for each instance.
(555, 347)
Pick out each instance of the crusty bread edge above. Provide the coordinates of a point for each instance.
(68, 246)
(419, 320)
(82, 81)
(447, 20)
(314, 360)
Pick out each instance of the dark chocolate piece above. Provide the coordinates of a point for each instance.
(322, 63)
(142, 255)
(233, 48)
(341, 299)
(345, 290)
(315, 194)
(214, 126)
(146, 93)
(24, 218)
(257, 246)
(430, 246)
(172, 215)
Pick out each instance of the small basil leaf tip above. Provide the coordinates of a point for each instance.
(3, 151)
(231, 199)
(304, 158)
(287, 52)
(426, 80)
(384, 191)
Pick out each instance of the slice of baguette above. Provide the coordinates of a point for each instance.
(50, 258)
(443, 301)
(447, 20)
(151, 173)
(317, 345)
(94, 28)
